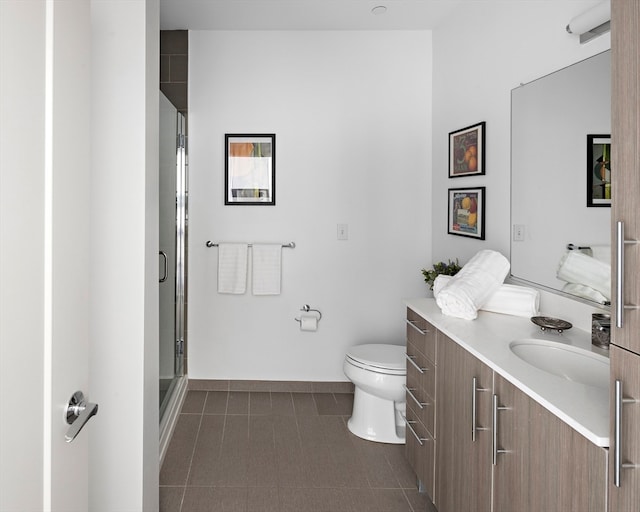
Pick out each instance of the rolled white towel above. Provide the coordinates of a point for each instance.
(509, 299)
(578, 268)
(470, 288)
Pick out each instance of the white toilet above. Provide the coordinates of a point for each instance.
(378, 373)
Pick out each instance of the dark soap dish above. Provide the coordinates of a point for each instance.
(547, 322)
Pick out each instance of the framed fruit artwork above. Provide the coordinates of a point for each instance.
(466, 151)
(599, 170)
(466, 212)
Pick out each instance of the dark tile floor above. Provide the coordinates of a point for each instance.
(281, 452)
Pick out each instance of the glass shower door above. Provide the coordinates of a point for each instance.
(172, 231)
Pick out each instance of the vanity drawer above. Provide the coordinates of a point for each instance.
(421, 334)
(420, 451)
(421, 387)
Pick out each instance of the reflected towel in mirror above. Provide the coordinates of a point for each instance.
(578, 268)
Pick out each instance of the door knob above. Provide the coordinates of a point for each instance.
(78, 412)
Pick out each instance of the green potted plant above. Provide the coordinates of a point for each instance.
(448, 269)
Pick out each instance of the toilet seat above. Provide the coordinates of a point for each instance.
(379, 358)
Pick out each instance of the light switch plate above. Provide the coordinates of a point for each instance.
(343, 231)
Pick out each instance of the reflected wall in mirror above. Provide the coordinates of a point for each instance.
(557, 241)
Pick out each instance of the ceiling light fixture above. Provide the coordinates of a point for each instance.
(379, 9)
(592, 23)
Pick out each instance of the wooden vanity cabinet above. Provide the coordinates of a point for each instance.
(463, 458)
(420, 399)
(492, 448)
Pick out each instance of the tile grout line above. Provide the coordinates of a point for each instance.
(193, 451)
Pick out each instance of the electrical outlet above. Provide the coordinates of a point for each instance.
(343, 231)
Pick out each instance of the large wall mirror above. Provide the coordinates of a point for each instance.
(560, 180)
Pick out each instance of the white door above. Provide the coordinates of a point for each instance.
(44, 244)
(73, 300)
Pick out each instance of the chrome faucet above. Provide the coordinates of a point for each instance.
(601, 330)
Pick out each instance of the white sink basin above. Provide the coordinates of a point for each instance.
(571, 363)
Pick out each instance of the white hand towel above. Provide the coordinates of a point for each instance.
(509, 299)
(232, 268)
(267, 269)
(578, 268)
(470, 288)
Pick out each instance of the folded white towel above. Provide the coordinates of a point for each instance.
(585, 292)
(509, 299)
(232, 268)
(602, 253)
(472, 286)
(578, 268)
(267, 269)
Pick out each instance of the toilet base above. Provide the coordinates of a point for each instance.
(376, 419)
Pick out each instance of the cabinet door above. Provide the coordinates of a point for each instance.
(510, 449)
(624, 482)
(541, 462)
(463, 455)
(625, 132)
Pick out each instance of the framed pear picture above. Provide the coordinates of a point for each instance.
(599, 170)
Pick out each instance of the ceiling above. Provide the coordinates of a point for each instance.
(304, 14)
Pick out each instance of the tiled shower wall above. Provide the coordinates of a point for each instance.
(174, 67)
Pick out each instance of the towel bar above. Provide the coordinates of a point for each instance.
(290, 245)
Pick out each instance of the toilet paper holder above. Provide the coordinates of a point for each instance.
(306, 308)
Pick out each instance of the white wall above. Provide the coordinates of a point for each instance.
(351, 113)
(483, 52)
(124, 458)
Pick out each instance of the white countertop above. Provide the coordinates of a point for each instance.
(584, 408)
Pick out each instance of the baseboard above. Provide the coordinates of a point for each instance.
(170, 418)
(269, 385)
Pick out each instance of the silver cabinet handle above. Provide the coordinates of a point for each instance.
(618, 465)
(411, 359)
(78, 412)
(620, 244)
(495, 449)
(413, 397)
(420, 440)
(166, 267)
(412, 323)
(474, 408)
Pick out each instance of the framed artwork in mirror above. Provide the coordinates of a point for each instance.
(466, 212)
(599, 170)
(466, 151)
(250, 169)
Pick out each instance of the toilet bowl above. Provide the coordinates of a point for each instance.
(378, 373)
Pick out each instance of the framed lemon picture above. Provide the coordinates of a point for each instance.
(466, 151)
(466, 212)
